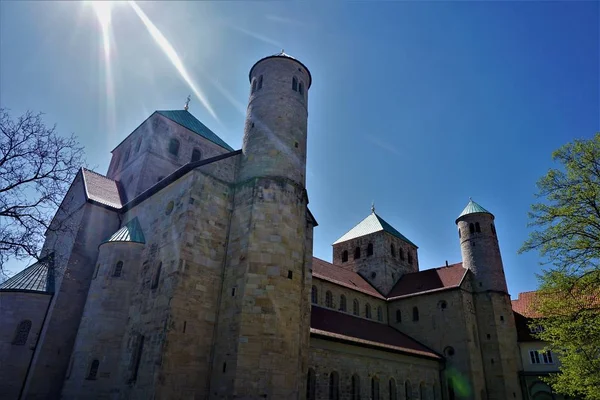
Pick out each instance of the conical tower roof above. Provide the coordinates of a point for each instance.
(130, 232)
(373, 223)
(473, 208)
(38, 277)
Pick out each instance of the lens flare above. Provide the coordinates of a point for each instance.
(170, 52)
(103, 12)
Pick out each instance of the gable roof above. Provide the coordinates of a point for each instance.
(348, 328)
(188, 121)
(429, 280)
(130, 232)
(373, 223)
(343, 277)
(101, 189)
(39, 277)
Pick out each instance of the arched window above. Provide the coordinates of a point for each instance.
(294, 84)
(301, 88)
(471, 228)
(260, 81)
(368, 310)
(139, 144)
(407, 390)
(357, 253)
(379, 314)
(328, 299)
(311, 381)
(442, 304)
(196, 155)
(401, 253)
(422, 390)
(370, 250)
(254, 86)
(343, 303)
(409, 257)
(477, 227)
(344, 255)
(355, 307)
(118, 269)
(415, 314)
(156, 278)
(459, 235)
(174, 146)
(392, 389)
(449, 351)
(93, 371)
(355, 387)
(334, 386)
(22, 332)
(314, 296)
(375, 388)
(398, 316)
(393, 250)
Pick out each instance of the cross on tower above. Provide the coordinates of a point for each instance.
(187, 103)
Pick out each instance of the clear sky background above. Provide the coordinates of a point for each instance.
(414, 105)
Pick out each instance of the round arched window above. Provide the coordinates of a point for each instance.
(449, 351)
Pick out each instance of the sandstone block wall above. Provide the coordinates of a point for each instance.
(363, 299)
(418, 376)
(382, 269)
(14, 359)
(103, 323)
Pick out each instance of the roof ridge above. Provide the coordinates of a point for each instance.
(98, 173)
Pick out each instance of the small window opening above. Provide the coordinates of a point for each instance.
(233, 291)
(459, 235)
(314, 295)
(357, 253)
(294, 84)
(136, 356)
(260, 82)
(254, 86)
(415, 314)
(489, 336)
(477, 227)
(471, 228)
(398, 316)
(196, 155)
(344, 255)
(449, 351)
(393, 250)
(373, 275)
(93, 371)
(410, 259)
(369, 249)
(118, 269)
(502, 318)
(224, 367)
(492, 360)
(174, 146)
(343, 303)
(290, 274)
(401, 253)
(443, 304)
(296, 144)
(184, 326)
(156, 277)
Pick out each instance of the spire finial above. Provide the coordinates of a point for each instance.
(373, 207)
(187, 103)
(282, 51)
(470, 198)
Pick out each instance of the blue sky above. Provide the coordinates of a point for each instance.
(414, 105)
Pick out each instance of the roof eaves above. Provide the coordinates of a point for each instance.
(372, 344)
(356, 288)
(404, 296)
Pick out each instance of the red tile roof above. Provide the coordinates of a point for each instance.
(429, 280)
(343, 277)
(523, 304)
(102, 189)
(348, 328)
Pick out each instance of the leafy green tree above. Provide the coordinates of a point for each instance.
(567, 236)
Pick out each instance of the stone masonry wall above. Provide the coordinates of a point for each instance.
(103, 323)
(14, 359)
(351, 295)
(420, 376)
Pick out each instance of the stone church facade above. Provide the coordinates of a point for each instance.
(187, 273)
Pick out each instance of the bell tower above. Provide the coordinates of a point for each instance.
(263, 323)
(493, 309)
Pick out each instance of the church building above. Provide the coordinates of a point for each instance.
(187, 272)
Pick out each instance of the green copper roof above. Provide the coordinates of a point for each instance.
(38, 277)
(130, 232)
(187, 120)
(373, 223)
(473, 208)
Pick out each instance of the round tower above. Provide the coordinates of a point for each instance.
(480, 249)
(276, 121)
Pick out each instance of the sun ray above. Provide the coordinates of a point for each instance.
(171, 54)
